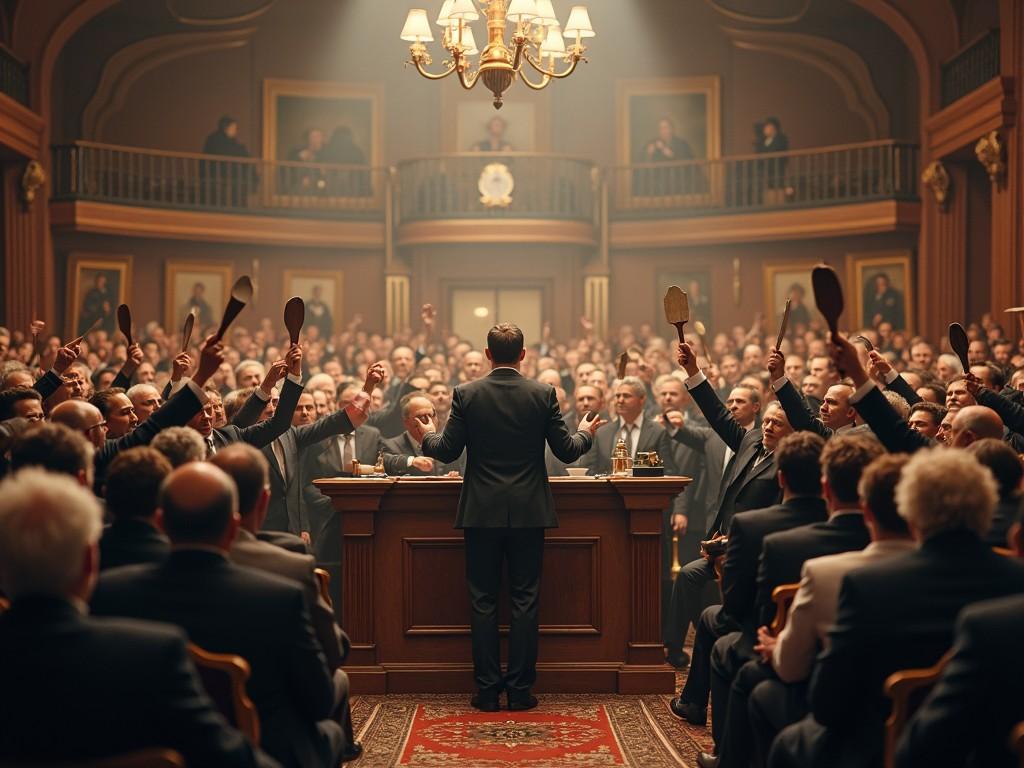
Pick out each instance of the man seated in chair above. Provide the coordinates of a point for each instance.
(79, 688)
(899, 613)
(403, 455)
(225, 608)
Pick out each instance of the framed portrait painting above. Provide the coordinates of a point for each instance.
(97, 284)
(883, 288)
(663, 125)
(200, 286)
(789, 281)
(322, 123)
(322, 291)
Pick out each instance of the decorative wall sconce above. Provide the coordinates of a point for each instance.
(937, 180)
(991, 154)
(32, 179)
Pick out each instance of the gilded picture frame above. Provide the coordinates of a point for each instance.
(323, 291)
(790, 280)
(96, 284)
(896, 302)
(182, 282)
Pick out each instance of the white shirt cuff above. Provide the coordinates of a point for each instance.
(295, 379)
(408, 461)
(176, 385)
(891, 376)
(696, 380)
(260, 394)
(862, 391)
(779, 383)
(196, 390)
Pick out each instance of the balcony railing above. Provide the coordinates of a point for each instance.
(454, 186)
(13, 76)
(190, 181)
(804, 178)
(971, 68)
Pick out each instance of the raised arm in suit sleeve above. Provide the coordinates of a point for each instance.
(693, 437)
(447, 446)
(565, 446)
(268, 431)
(250, 412)
(1010, 412)
(337, 423)
(799, 415)
(121, 381)
(718, 417)
(900, 386)
(895, 434)
(47, 384)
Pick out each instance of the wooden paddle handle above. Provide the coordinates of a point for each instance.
(679, 330)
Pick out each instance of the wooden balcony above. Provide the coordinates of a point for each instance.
(805, 194)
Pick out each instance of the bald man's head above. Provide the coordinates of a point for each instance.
(82, 417)
(199, 505)
(974, 422)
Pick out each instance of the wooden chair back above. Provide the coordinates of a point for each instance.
(323, 579)
(907, 688)
(1004, 551)
(782, 596)
(146, 758)
(224, 676)
(5, 604)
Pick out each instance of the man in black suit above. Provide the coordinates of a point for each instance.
(968, 717)
(834, 415)
(783, 553)
(749, 482)
(133, 483)
(113, 686)
(403, 455)
(1006, 468)
(226, 608)
(691, 591)
(333, 458)
(503, 421)
(899, 613)
(799, 476)
(286, 454)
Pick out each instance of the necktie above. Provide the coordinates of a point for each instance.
(347, 452)
(211, 449)
(279, 454)
(627, 438)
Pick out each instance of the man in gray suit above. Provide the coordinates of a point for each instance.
(502, 421)
(403, 455)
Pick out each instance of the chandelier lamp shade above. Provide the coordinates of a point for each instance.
(536, 35)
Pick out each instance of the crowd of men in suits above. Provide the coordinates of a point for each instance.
(170, 493)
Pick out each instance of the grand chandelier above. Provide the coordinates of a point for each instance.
(536, 36)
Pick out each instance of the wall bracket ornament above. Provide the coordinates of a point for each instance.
(32, 180)
(992, 155)
(936, 178)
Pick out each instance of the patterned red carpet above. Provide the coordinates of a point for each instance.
(581, 731)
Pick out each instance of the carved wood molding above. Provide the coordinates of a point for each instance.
(128, 65)
(218, 21)
(21, 129)
(748, 18)
(937, 180)
(963, 122)
(843, 65)
(991, 153)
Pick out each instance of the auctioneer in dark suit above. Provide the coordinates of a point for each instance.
(968, 716)
(130, 541)
(325, 460)
(503, 421)
(81, 688)
(226, 608)
(892, 615)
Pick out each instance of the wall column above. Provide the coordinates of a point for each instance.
(396, 304)
(28, 279)
(943, 260)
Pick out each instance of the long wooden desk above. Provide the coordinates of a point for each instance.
(406, 608)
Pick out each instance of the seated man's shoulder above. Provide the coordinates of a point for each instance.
(285, 540)
(270, 558)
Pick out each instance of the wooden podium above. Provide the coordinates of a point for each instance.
(406, 608)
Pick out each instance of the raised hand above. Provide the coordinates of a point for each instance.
(592, 422)
(845, 356)
(776, 365)
(135, 358)
(428, 314)
(879, 366)
(180, 366)
(66, 356)
(974, 384)
(687, 358)
(674, 419)
(277, 371)
(422, 426)
(374, 375)
(210, 358)
(294, 360)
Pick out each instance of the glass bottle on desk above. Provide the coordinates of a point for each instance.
(621, 461)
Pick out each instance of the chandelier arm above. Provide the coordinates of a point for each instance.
(431, 75)
(544, 82)
(468, 80)
(576, 58)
